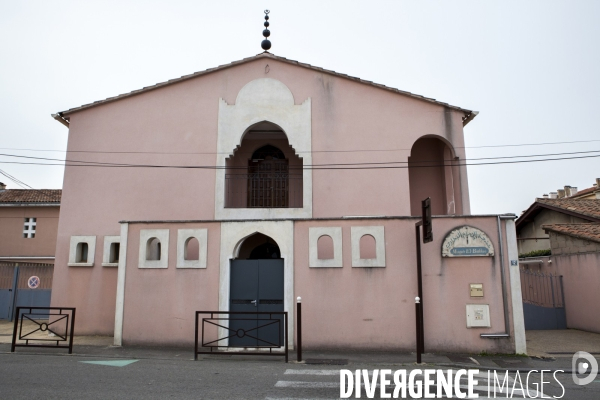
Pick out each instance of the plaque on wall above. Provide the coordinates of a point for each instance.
(467, 241)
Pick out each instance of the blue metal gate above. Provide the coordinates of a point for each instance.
(543, 301)
(24, 285)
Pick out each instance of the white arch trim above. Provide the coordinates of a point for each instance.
(233, 234)
(261, 100)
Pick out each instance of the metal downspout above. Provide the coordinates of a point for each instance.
(506, 333)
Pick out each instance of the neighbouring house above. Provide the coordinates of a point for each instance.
(531, 235)
(589, 193)
(267, 179)
(28, 229)
(574, 268)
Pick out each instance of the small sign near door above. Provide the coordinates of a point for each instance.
(33, 282)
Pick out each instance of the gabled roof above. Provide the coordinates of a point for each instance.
(580, 231)
(30, 196)
(63, 118)
(584, 209)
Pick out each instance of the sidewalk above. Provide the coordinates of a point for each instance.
(549, 350)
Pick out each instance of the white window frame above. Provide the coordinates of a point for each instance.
(108, 241)
(378, 233)
(29, 227)
(182, 237)
(163, 236)
(313, 251)
(91, 242)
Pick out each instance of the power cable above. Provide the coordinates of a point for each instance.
(313, 151)
(312, 166)
(108, 165)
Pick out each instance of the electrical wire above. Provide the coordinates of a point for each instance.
(313, 151)
(312, 166)
(108, 165)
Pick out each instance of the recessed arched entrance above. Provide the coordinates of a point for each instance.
(432, 173)
(257, 285)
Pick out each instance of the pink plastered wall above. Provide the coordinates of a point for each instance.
(160, 304)
(374, 308)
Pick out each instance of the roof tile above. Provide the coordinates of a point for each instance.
(582, 231)
(31, 196)
(585, 207)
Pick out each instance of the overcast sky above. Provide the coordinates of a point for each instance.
(531, 68)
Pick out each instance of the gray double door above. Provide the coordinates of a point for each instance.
(256, 286)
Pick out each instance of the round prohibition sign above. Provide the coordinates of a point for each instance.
(33, 282)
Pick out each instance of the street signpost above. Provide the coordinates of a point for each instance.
(427, 237)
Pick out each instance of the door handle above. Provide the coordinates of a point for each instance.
(253, 302)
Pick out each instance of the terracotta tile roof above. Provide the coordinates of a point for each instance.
(584, 192)
(587, 209)
(63, 115)
(590, 208)
(30, 196)
(582, 231)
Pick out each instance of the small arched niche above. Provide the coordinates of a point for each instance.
(153, 249)
(191, 250)
(325, 248)
(432, 173)
(264, 171)
(258, 247)
(368, 249)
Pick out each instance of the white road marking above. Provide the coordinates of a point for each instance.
(313, 372)
(307, 385)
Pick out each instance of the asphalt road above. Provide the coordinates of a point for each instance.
(27, 376)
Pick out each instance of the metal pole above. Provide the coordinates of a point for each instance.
(299, 328)
(420, 286)
(14, 338)
(418, 325)
(196, 339)
(72, 331)
(285, 315)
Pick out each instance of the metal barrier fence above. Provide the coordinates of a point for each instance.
(540, 289)
(43, 325)
(215, 321)
(259, 190)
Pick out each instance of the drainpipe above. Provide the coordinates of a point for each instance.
(506, 333)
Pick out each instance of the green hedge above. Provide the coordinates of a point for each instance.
(536, 253)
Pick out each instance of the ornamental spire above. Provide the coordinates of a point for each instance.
(266, 44)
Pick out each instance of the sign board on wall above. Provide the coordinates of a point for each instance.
(467, 241)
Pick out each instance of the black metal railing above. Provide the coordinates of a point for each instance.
(263, 190)
(219, 321)
(542, 289)
(44, 325)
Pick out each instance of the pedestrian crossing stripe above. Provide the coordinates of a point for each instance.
(111, 363)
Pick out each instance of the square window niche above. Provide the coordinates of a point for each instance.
(111, 252)
(192, 248)
(82, 250)
(314, 234)
(154, 248)
(378, 233)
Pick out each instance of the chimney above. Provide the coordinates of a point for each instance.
(553, 195)
(2, 187)
(573, 190)
(561, 193)
(597, 182)
(545, 196)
